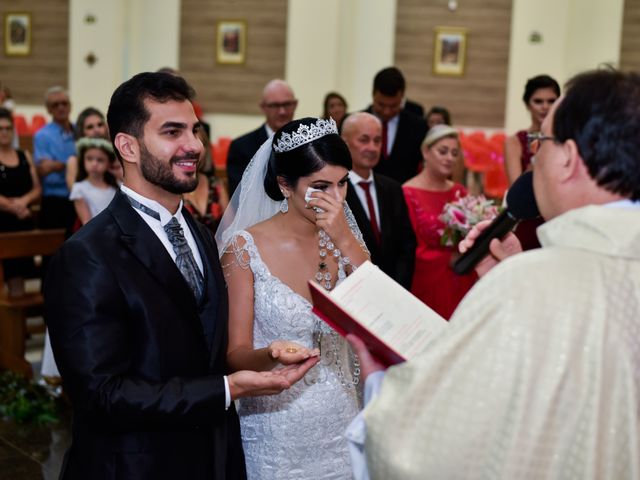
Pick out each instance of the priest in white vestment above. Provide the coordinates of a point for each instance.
(538, 374)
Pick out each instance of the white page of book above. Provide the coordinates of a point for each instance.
(388, 310)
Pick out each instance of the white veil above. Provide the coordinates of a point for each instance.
(250, 203)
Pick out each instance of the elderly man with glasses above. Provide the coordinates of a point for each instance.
(279, 105)
(53, 144)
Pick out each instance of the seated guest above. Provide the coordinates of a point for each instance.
(335, 106)
(537, 375)
(19, 188)
(402, 131)
(90, 123)
(377, 201)
(434, 281)
(279, 105)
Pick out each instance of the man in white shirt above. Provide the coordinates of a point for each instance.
(537, 374)
(136, 307)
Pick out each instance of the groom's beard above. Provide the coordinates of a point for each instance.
(161, 174)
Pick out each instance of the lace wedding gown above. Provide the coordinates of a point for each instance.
(300, 432)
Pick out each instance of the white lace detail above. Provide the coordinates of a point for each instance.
(299, 433)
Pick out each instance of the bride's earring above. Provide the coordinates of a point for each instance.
(284, 205)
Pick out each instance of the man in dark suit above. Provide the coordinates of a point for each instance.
(402, 131)
(377, 202)
(279, 105)
(137, 311)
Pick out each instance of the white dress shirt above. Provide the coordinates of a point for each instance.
(354, 178)
(157, 226)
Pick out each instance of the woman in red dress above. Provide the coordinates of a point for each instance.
(540, 93)
(434, 282)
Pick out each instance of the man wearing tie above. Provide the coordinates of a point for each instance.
(377, 201)
(137, 311)
(402, 131)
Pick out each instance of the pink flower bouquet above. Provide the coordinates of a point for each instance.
(462, 214)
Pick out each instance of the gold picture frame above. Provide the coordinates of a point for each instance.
(450, 51)
(17, 34)
(231, 42)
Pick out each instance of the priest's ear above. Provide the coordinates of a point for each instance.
(128, 147)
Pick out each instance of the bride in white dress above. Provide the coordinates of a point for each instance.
(275, 240)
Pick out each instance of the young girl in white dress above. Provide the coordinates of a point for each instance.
(95, 186)
(274, 241)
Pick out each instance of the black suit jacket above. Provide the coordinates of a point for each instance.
(142, 362)
(402, 163)
(241, 151)
(397, 250)
(414, 107)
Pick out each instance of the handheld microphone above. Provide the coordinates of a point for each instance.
(521, 205)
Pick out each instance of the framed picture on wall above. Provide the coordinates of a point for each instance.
(449, 52)
(231, 41)
(17, 33)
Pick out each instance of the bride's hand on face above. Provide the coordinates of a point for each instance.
(332, 219)
(289, 353)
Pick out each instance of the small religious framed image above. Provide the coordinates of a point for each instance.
(17, 34)
(449, 52)
(231, 41)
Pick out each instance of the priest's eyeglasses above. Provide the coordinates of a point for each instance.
(535, 140)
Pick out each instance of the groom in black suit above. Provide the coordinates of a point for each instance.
(377, 201)
(136, 307)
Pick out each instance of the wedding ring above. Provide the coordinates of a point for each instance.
(291, 350)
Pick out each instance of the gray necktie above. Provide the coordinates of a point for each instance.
(184, 257)
(185, 261)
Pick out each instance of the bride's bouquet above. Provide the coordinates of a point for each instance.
(462, 214)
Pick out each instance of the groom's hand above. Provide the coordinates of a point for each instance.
(246, 383)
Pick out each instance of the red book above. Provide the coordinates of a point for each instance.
(394, 324)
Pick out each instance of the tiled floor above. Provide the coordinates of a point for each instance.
(29, 452)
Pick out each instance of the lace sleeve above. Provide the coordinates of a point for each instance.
(235, 255)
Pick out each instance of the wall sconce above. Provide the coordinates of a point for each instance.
(452, 5)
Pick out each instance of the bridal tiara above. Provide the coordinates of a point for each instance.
(305, 134)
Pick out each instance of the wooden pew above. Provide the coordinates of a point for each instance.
(13, 310)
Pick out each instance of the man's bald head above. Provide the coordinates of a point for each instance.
(362, 132)
(278, 103)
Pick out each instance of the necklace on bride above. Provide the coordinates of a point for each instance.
(326, 250)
